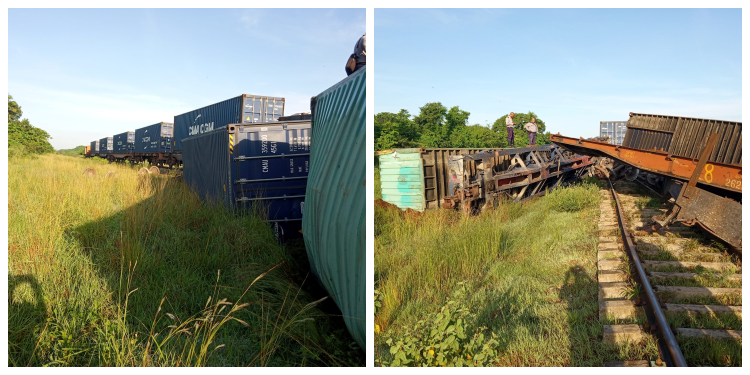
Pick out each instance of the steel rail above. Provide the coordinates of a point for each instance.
(670, 341)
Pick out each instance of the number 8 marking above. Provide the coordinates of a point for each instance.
(708, 174)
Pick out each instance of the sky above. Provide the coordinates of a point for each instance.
(572, 67)
(85, 74)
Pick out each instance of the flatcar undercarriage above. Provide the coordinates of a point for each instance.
(703, 193)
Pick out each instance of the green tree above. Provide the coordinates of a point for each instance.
(77, 151)
(24, 137)
(396, 129)
(14, 110)
(431, 118)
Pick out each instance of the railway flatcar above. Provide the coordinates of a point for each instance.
(695, 163)
(154, 144)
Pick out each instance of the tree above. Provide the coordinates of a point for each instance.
(395, 129)
(14, 110)
(23, 135)
(431, 118)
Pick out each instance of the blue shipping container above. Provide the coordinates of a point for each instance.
(94, 147)
(245, 109)
(105, 145)
(123, 143)
(243, 166)
(154, 138)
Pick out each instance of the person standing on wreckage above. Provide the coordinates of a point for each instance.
(531, 129)
(510, 124)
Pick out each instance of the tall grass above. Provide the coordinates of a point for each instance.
(530, 272)
(118, 271)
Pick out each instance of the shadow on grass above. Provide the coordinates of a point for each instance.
(576, 290)
(26, 320)
(171, 246)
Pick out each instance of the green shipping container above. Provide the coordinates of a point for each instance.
(333, 221)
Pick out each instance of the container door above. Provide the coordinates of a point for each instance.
(270, 167)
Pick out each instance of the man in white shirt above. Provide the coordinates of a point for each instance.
(509, 124)
(531, 129)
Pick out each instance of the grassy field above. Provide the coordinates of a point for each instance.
(127, 271)
(514, 286)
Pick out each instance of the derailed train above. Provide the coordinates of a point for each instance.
(244, 153)
(694, 163)
(474, 179)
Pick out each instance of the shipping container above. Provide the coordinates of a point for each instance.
(156, 138)
(105, 145)
(94, 148)
(244, 166)
(615, 130)
(243, 109)
(87, 150)
(685, 136)
(124, 143)
(334, 220)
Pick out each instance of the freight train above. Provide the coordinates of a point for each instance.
(694, 163)
(161, 143)
(243, 153)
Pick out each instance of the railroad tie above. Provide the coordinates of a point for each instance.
(642, 363)
(712, 333)
(704, 309)
(615, 334)
(719, 266)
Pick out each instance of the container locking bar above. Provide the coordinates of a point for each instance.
(246, 181)
(246, 199)
(242, 158)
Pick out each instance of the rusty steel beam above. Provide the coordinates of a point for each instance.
(723, 176)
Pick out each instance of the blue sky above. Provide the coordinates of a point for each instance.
(572, 67)
(84, 74)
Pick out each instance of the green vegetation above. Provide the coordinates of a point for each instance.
(710, 352)
(523, 276)
(24, 138)
(77, 151)
(131, 271)
(438, 126)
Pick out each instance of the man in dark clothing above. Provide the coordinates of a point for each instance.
(360, 53)
(510, 124)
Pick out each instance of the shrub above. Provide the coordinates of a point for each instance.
(444, 339)
(573, 199)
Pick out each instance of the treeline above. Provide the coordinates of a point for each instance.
(77, 151)
(24, 138)
(439, 127)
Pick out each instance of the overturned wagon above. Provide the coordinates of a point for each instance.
(473, 179)
(696, 162)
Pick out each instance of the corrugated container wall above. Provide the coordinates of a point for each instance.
(259, 165)
(105, 145)
(685, 136)
(334, 222)
(154, 138)
(615, 130)
(94, 147)
(123, 143)
(245, 109)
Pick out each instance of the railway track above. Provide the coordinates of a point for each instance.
(675, 284)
